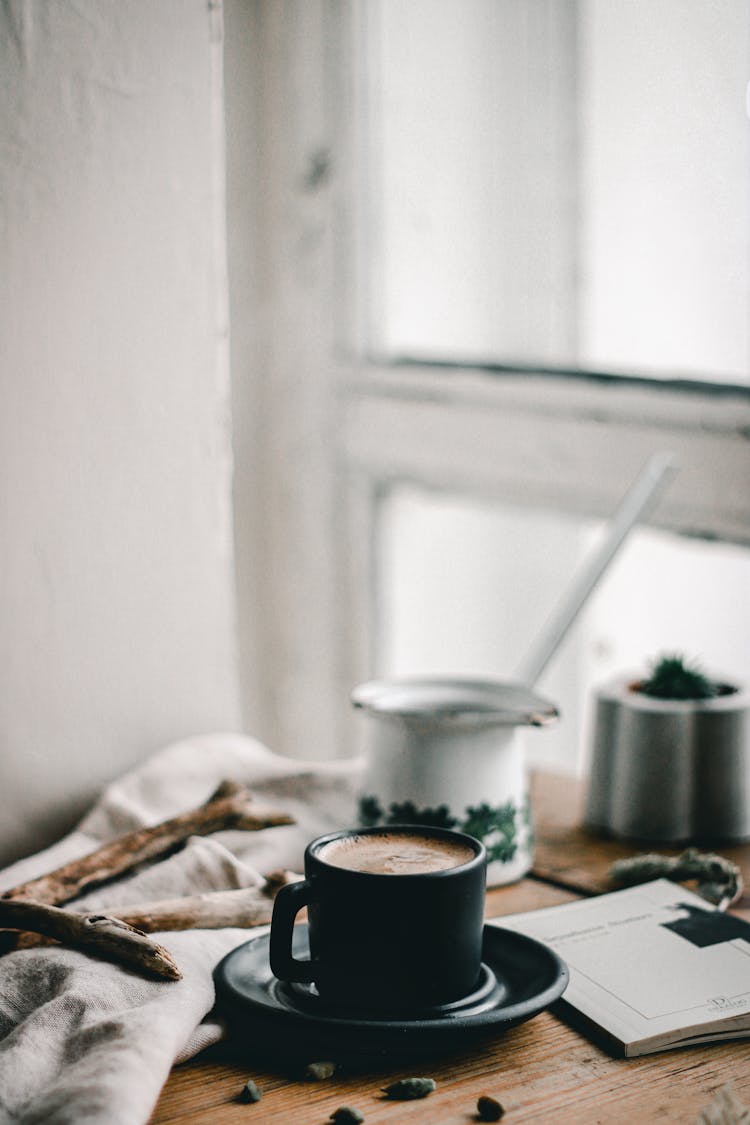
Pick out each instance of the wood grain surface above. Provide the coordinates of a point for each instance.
(541, 1071)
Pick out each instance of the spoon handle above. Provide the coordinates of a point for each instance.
(637, 501)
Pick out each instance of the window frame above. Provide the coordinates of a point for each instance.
(332, 429)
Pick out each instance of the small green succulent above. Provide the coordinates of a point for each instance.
(671, 677)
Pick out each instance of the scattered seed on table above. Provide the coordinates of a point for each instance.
(250, 1092)
(319, 1071)
(489, 1109)
(346, 1115)
(408, 1089)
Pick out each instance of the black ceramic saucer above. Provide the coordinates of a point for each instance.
(520, 978)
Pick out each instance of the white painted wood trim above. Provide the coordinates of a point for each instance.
(291, 507)
(568, 442)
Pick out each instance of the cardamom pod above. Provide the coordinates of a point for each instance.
(319, 1071)
(408, 1089)
(345, 1115)
(489, 1109)
(250, 1092)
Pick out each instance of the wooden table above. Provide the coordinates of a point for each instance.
(541, 1071)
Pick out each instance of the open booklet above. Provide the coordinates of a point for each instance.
(651, 967)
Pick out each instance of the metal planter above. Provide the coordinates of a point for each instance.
(670, 771)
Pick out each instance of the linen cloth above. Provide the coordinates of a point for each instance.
(85, 1041)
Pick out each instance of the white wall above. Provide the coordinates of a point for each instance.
(116, 607)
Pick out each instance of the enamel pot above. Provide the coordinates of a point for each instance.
(450, 753)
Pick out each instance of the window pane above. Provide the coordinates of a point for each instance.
(665, 187)
(465, 587)
(561, 183)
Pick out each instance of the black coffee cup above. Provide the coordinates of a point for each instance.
(395, 918)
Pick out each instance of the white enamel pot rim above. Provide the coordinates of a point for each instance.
(453, 702)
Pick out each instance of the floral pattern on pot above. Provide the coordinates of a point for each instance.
(497, 827)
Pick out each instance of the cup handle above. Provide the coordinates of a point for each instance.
(288, 902)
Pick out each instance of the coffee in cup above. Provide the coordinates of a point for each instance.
(395, 918)
(396, 853)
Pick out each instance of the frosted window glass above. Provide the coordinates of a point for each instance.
(464, 586)
(562, 184)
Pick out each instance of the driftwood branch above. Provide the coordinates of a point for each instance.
(231, 806)
(247, 907)
(107, 937)
(243, 908)
(32, 908)
(718, 879)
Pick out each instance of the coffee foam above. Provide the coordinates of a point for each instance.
(395, 853)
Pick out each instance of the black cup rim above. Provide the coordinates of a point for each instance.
(478, 860)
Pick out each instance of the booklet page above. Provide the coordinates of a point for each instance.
(648, 961)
